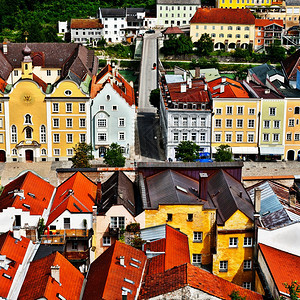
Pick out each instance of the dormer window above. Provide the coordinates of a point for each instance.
(27, 119)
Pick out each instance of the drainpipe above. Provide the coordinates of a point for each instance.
(258, 135)
(257, 206)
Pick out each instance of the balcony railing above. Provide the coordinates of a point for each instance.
(77, 255)
(59, 236)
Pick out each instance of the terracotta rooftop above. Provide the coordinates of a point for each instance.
(37, 194)
(107, 278)
(223, 16)
(267, 22)
(76, 194)
(195, 277)
(172, 30)
(85, 23)
(283, 266)
(14, 251)
(227, 88)
(39, 284)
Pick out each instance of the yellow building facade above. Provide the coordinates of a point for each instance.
(197, 223)
(243, 3)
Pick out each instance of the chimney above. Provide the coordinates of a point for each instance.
(223, 79)
(183, 88)
(190, 83)
(205, 87)
(99, 191)
(257, 200)
(184, 75)
(19, 193)
(203, 185)
(222, 88)
(4, 48)
(55, 272)
(122, 261)
(292, 199)
(197, 72)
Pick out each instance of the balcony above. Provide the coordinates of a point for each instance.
(60, 236)
(77, 255)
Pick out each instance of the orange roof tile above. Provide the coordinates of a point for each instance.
(76, 194)
(85, 23)
(106, 277)
(37, 193)
(266, 22)
(39, 283)
(189, 275)
(223, 16)
(173, 30)
(283, 266)
(3, 84)
(15, 251)
(232, 88)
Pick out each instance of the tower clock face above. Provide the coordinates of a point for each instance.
(27, 99)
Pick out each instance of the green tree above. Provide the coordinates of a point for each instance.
(178, 45)
(275, 52)
(155, 98)
(114, 157)
(235, 295)
(294, 290)
(205, 45)
(223, 153)
(82, 155)
(187, 151)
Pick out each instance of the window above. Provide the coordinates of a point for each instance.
(229, 110)
(251, 111)
(184, 136)
(238, 36)
(246, 36)
(67, 222)
(28, 133)
(291, 122)
(175, 136)
(14, 137)
(55, 107)
(184, 121)
(106, 241)
(1, 138)
(272, 111)
(229, 27)
(121, 122)
(196, 260)
(266, 137)
(115, 107)
(82, 137)
(193, 136)
(276, 124)
(218, 111)
(68, 92)
(275, 137)
(248, 242)
(239, 123)
(15, 151)
(194, 121)
(27, 119)
(239, 137)
(169, 217)
(101, 122)
(247, 28)
(218, 137)
(48, 72)
(221, 35)
(197, 236)
(58, 72)
(82, 123)
(74, 245)
(68, 107)
(69, 122)
(16, 73)
(228, 137)
(117, 222)
(202, 137)
(121, 136)
(218, 123)
(55, 123)
(202, 122)
(175, 121)
(247, 285)
(56, 138)
(101, 137)
(81, 107)
(288, 136)
(69, 138)
(247, 264)
(266, 124)
(297, 136)
(223, 267)
(297, 110)
(70, 152)
(233, 242)
(251, 123)
(43, 134)
(238, 28)
(228, 123)
(229, 36)
(250, 138)
(190, 217)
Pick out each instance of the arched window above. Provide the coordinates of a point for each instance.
(27, 119)
(43, 134)
(14, 137)
(28, 133)
(238, 28)
(43, 152)
(247, 28)
(14, 151)
(229, 27)
(26, 67)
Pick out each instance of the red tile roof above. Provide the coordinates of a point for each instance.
(173, 30)
(176, 249)
(223, 16)
(120, 85)
(76, 194)
(85, 23)
(232, 88)
(189, 275)
(37, 193)
(15, 251)
(3, 85)
(106, 276)
(283, 266)
(39, 283)
(267, 22)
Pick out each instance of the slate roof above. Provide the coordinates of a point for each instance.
(285, 89)
(292, 3)
(261, 72)
(195, 277)
(290, 65)
(175, 247)
(113, 12)
(39, 277)
(106, 277)
(260, 91)
(170, 187)
(85, 23)
(118, 190)
(77, 195)
(283, 266)
(14, 250)
(223, 16)
(224, 191)
(232, 88)
(47, 249)
(37, 193)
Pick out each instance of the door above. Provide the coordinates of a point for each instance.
(291, 155)
(2, 156)
(29, 155)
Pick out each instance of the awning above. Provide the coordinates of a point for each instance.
(244, 150)
(272, 150)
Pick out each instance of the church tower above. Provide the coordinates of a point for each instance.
(27, 63)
